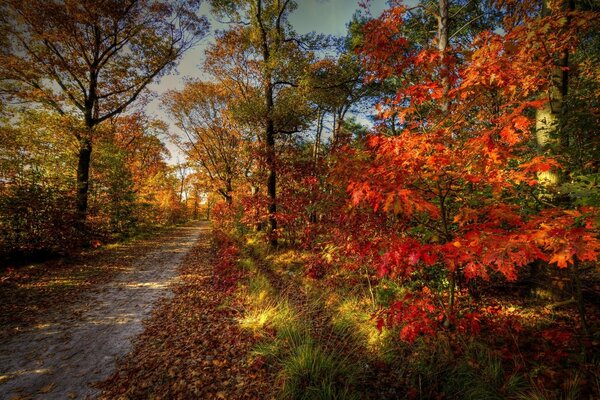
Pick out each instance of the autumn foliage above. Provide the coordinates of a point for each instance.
(439, 163)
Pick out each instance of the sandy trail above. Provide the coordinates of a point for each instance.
(59, 361)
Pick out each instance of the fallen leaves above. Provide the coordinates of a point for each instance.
(38, 294)
(192, 346)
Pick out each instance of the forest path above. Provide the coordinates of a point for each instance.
(60, 360)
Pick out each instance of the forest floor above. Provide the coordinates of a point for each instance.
(194, 313)
(64, 325)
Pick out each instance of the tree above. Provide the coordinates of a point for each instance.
(262, 57)
(214, 139)
(335, 86)
(36, 184)
(154, 185)
(451, 192)
(91, 58)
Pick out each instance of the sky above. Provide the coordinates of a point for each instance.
(321, 16)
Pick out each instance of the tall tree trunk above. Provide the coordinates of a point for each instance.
(317, 146)
(272, 179)
(270, 125)
(181, 187)
(551, 137)
(195, 213)
(228, 191)
(83, 175)
(443, 35)
(547, 120)
(334, 138)
(316, 155)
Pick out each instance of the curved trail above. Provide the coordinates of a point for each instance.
(59, 361)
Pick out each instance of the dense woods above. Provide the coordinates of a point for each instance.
(427, 184)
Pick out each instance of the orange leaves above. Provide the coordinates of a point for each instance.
(566, 236)
(539, 164)
(562, 258)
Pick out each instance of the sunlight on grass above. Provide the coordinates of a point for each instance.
(246, 264)
(259, 289)
(267, 312)
(306, 369)
(256, 319)
(353, 315)
(257, 245)
(289, 261)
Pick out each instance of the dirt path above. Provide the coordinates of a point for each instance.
(193, 346)
(59, 361)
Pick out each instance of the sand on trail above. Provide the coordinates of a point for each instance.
(60, 360)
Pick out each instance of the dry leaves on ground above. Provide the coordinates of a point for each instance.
(192, 346)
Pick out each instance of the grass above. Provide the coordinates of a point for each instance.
(305, 368)
(309, 372)
(352, 316)
(479, 374)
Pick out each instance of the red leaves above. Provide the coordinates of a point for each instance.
(226, 273)
(465, 164)
(404, 257)
(416, 314)
(539, 164)
(384, 47)
(558, 337)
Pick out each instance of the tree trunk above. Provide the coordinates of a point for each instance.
(547, 121)
(316, 155)
(442, 45)
(317, 146)
(83, 174)
(227, 192)
(181, 187)
(442, 37)
(551, 137)
(272, 179)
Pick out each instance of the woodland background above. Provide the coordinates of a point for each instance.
(461, 220)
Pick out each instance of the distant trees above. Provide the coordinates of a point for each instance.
(91, 59)
(214, 141)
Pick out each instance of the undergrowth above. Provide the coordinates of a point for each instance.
(305, 368)
(321, 341)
